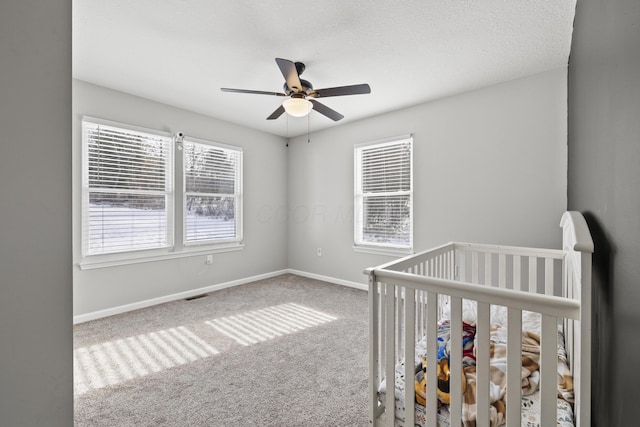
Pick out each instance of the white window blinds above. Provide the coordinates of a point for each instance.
(212, 194)
(383, 194)
(127, 189)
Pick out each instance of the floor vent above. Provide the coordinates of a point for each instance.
(196, 297)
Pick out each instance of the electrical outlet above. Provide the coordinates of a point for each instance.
(319, 251)
(209, 259)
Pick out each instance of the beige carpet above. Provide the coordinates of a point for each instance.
(286, 351)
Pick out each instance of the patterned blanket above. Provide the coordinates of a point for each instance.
(530, 374)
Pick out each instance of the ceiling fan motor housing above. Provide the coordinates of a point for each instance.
(304, 90)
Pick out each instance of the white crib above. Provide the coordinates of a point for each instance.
(406, 301)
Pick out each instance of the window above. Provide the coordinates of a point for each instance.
(129, 195)
(212, 193)
(127, 189)
(384, 194)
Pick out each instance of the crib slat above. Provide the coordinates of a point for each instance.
(432, 330)
(502, 270)
(548, 276)
(418, 317)
(516, 272)
(390, 352)
(423, 313)
(482, 364)
(445, 266)
(569, 337)
(382, 327)
(374, 374)
(409, 355)
(487, 269)
(474, 267)
(549, 370)
(398, 322)
(462, 263)
(514, 366)
(533, 274)
(455, 366)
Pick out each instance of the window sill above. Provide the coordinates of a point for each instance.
(383, 251)
(91, 264)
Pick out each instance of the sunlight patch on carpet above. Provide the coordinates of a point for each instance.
(261, 325)
(113, 362)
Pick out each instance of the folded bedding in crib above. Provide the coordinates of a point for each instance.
(530, 375)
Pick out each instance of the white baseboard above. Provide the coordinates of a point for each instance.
(348, 283)
(173, 297)
(182, 295)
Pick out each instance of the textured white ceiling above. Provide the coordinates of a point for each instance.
(181, 52)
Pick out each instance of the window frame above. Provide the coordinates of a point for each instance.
(176, 247)
(383, 248)
(237, 195)
(169, 192)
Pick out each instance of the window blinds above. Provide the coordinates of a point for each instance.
(127, 189)
(384, 194)
(212, 180)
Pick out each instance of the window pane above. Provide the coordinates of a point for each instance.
(122, 222)
(212, 177)
(121, 159)
(210, 169)
(128, 181)
(387, 219)
(210, 217)
(383, 196)
(386, 169)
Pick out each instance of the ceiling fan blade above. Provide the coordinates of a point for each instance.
(255, 92)
(279, 111)
(290, 74)
(340, 91)
(323, 109)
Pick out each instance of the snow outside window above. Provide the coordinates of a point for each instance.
(212, 192)
(384, 194)
(127, 189)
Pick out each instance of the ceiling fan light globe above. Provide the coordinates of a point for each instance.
(297, 107)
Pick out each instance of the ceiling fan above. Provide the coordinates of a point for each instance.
(301, 94)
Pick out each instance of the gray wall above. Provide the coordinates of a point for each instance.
(35, 154)
(489, 166)
(604, 183)
(36, 387)
(264, 180)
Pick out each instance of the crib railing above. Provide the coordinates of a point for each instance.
(408, 297)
